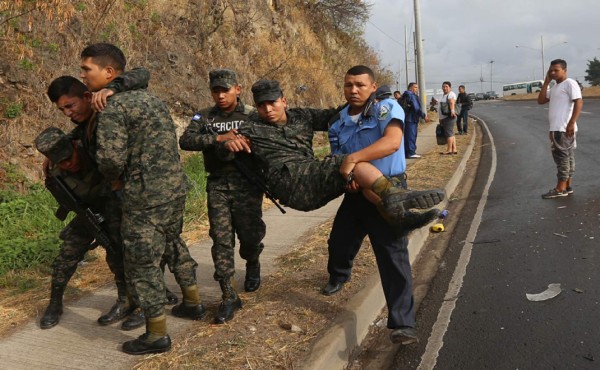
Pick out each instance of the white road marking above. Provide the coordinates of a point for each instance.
(436, 340)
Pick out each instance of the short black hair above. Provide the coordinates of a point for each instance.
(463, 86)
(104, 55)
(446, 83)
(410, 85)
(361, 70)
(66, 85)
(397, 92)
(562, 62)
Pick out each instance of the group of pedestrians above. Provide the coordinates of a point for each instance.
(122, 161)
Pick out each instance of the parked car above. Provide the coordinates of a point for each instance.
(480, 96)
(472, 96)
(491, 95)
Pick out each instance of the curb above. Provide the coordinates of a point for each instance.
(332, 350)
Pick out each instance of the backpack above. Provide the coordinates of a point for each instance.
(404, 102)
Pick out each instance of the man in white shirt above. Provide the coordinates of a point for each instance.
(565, 106)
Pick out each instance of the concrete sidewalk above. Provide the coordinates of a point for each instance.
(78, 342)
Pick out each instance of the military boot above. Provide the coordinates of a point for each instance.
(55, 308)
(118, 311)
(136, 320)
(231, 302)
(395, 201)
(252, 281)
(412, 220)
(191, 307)
(171, 297)
(154, 340)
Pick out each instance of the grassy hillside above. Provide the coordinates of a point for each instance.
(179, 41)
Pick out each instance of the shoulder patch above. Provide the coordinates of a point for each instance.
(196, 117)
(384, 111)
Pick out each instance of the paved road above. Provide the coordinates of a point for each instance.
(519, 243)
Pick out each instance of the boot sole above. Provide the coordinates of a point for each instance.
(158, 350)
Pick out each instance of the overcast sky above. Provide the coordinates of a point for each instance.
(461, 37)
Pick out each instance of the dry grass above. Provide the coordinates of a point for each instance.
(17, 308)
(256, 338)
(588, 92)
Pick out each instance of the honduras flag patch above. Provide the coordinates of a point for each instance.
(196, 117)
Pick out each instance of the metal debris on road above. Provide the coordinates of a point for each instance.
(561, 235)
(552, 291)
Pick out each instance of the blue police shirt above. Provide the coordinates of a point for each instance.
(346, 136)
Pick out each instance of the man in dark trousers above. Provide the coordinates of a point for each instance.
(411, 104)
(357, 217)
(462, 121)
(234, 203)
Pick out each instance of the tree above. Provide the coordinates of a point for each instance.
(347, 15)
(593, 72)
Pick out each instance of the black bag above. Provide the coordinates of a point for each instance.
(445, 108)
(404, 102)
(439, 134)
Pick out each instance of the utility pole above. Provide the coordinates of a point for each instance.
(419, 52)
(491, 75)
(405, 54)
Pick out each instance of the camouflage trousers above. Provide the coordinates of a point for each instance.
(563, 153)
(234, 207)
(149, 235)
(306, 186)
(77, 240)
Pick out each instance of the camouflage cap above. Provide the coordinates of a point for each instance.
(266, 90)
(383, 92)
(222, 78)
(54, 144)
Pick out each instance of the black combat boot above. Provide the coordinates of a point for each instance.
(55, 308)
(395, 200)
(118, 311)
(231, 302)
(171, 297)
(154, 340)
(135, 320)
(252, 282)
(191, 307)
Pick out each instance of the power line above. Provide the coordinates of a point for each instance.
(390, 37)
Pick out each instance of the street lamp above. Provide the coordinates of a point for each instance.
(542, 51)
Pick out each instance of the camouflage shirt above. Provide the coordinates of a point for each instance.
(136, 78)
(201, 134)
(283, 146)
(87, 184)
(137, 142)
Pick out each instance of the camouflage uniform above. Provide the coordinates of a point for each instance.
(286, 156)
(234, 204)
(136, 143)
(89, 187)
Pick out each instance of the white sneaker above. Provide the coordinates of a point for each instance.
(414, 156)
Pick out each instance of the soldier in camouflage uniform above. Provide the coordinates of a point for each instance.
(73, 99)
(137, 147)
(281, 142)
(234, 204)
(68, 160)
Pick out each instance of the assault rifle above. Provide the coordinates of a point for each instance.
(248, 173)
(68, 202)
(256, 180)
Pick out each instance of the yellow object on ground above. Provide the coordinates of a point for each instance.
(437, 228)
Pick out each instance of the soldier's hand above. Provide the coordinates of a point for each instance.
(238, 144)
(229, 135)
(100, 98)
